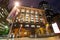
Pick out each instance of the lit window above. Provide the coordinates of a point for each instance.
(37, 21)
(41, 19)
(26, 20)
(27, 11)
(2, 9)
(32, 15)
(32, 25)
(27, 17)
(32, 18)
(18, 19)
(21, 25)
(36, 18)
(27, 14)
(36, 15)
(32, 11)
(38, 26)
(22, 10)
(36, 12)
(25, 33)
(26, 25)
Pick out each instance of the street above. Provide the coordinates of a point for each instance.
(49, 38)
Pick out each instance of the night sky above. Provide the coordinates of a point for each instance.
(54, 3)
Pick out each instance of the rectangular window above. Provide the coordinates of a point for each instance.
(38, 26)
(32, 11)
(22, 10)
(26, 25)
(27, 11)
(32, 25)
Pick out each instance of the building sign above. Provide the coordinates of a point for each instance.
(55, 28)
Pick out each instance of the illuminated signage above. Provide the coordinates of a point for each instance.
(55, 28)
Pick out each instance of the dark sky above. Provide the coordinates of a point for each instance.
(54, 3)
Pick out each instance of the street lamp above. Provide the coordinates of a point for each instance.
(16, 4)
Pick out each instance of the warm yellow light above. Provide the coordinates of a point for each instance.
(47, 25)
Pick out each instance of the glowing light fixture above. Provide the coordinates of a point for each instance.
(16, 4)
(55, 28)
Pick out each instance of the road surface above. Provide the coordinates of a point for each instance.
(49, 38)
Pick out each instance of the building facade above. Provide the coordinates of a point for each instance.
(28, 22)
(4, 27)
